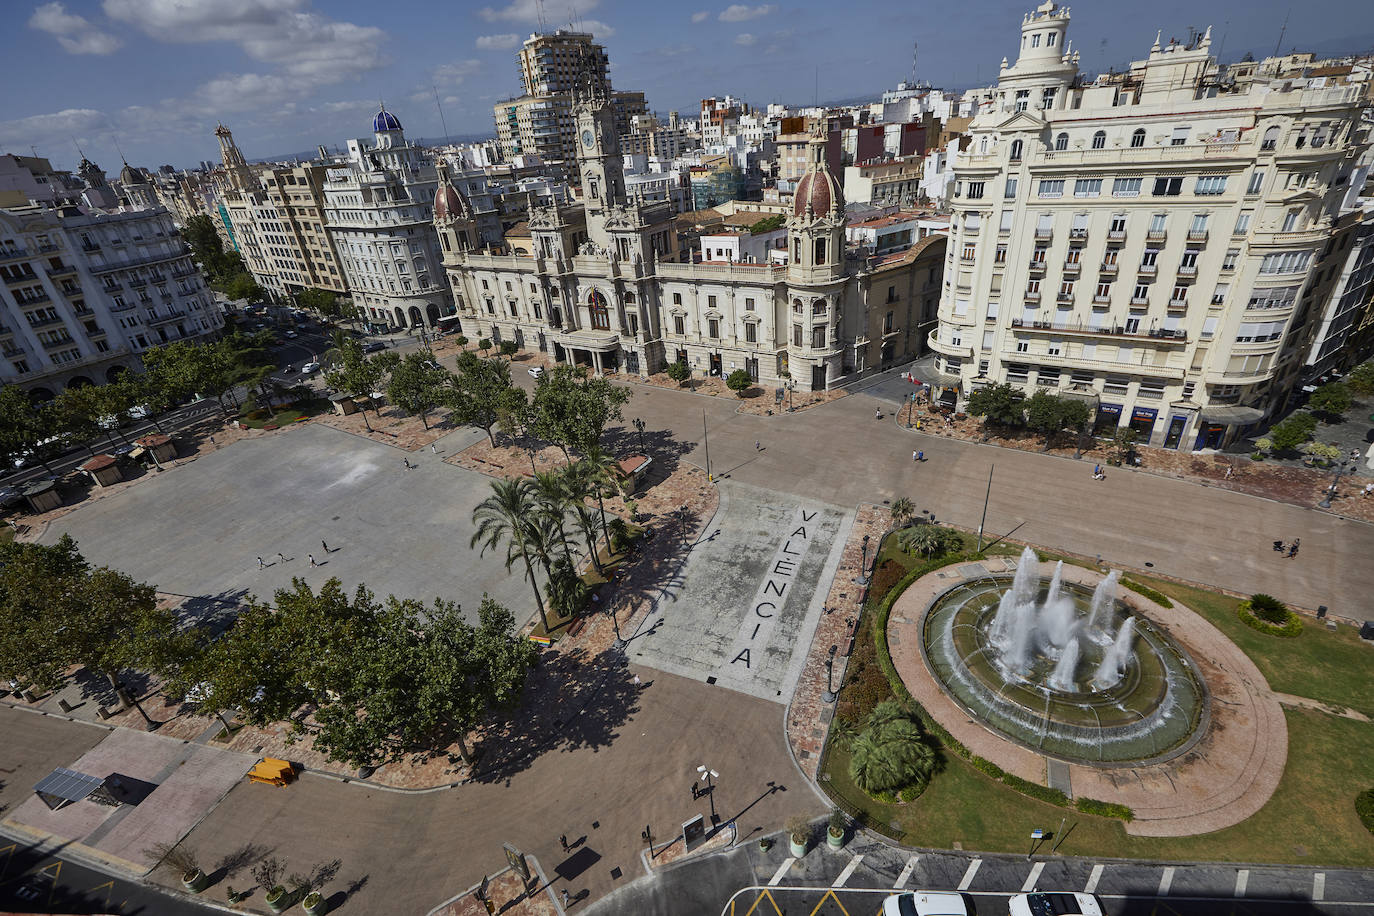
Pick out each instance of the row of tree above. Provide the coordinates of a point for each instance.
(224, 270)
(1042, 412)
(381, 677)
(173, 373)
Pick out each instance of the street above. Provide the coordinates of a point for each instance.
(32, 881)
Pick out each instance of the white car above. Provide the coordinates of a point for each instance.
(310, 368)
(1054, 903)
(925, 903)
(290, 335)
(536, 372)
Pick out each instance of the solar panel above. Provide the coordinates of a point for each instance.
(68, 784)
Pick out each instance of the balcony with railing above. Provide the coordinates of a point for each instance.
(1044, 233)
(1037, 266)
(1157, 235)
(1108, 267)
(12, 352)
(155, 320)
(13, 254)
(61, 270)
(1187, 271)
(1101, 299)
(26, 277)
(57, 342)
(117, 307)
(1116, 235)
(158, 278)
(90, 246)
(1178, 303)
(45, 321)
(1032, 295)
(1139, 301)
(1197, 235)
(33, 299)
(1072, 268)
(1148, 270)
(1064, 297)
(140, 262)
(1173, 337)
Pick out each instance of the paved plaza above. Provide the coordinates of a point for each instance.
(198, 530)
(741, 613)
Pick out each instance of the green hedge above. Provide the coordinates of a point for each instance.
(1104, 809)
(1287, 630)
(1364, 807)
(1158, 598)
(1035, 790)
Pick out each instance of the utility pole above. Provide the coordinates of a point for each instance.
(706, 441)
(986, 496)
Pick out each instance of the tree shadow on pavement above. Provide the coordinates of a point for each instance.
(574, 700)
(660, 445)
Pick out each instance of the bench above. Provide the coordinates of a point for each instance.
(272, 771)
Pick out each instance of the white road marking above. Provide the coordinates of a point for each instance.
(1166, 881)
(968, 875)
(1033, 877)
(782, 870)
(1242, 879)
(1093, 878)
(848, 870)
(906, 873)
(1319, 886)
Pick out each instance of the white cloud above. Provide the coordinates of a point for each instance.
(498, 42)
(452, 75)
(308, 46)
(738, 12)
(701, 16)
(76, 34)
(555, 12)
(57, 129)
(745, 40)
(596, 27)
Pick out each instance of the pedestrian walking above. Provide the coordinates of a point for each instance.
(637, 682)
(1354, 455)
(325, 546)
(432, 449)
(878, 414)
(913, 456)
(406, 462)
(281, 557)
(212, 440)
(565, 897)
(1368, 488)
(920, 456)
(1097, 470)
(1293, 548)
(563, 841)
(312, 560)
(757, 447)
(1230, 471)
(261, 565)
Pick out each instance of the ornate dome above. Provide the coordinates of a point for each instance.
(818, 188)
(385, 120)
(449, 203)
(129, 175)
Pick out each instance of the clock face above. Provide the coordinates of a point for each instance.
(588, 138)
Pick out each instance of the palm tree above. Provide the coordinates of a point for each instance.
(579, 488)
(928, 539)
(603, 473)
(902, 511)
(505, 516)
(890, 752)
(552, 492)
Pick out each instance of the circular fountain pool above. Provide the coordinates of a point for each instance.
(1067, 671)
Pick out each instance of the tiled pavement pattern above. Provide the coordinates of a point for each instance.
(761, 400)
(1222, 780)
(508, 894)
(808, 716)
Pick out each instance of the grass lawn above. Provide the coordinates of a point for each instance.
(6, 534)
(1310, 819)
(260, 419)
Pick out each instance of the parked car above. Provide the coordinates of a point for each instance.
(310, 368)
(290, 335)
(925, 903)
(372, 346)
(1054, 903)
(432, 365)
(536, 372)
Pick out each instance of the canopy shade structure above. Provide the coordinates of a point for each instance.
(62, 786)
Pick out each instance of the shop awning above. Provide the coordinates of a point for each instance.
(1232, 416)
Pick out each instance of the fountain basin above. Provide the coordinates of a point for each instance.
(1053, 696)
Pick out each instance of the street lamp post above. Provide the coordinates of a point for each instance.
(791, 387)
(829, 695)
(709, 774)
(1331, 490)
(639, 425)
(863, 564)
(615, 622)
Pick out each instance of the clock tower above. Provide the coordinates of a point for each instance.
(598, 160)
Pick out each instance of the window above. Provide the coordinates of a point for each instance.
(1061, 142)
(975, 190)
(1210, 185)
(1159, 223)
(968, 252)
(1126, 187)
(819, 251)
(1290, 221)
(818, 337)
(1022, 99)
(1118, 225)
(1066, 289)
(1033, 288)
(1150, 258)
(748, 305)
(1016, 150)
(1007, 217)
(1259, 331)
(1078, 229)
(1180, 294)
(1271, 138)
(1018, 373)
(751, 333)
(1104, 291)
(1038, 254)
(1256, 180)
(713, 327)
(796, 307)
(1179, 136)
(1047, 94)
(1168, 187)
(679, 325)
(1243, 222)
(1142, 292)
(1138, 138)
(1009, 189)
(1000, 256)
(1100, 139)
(1277, 297)
(1087, 187)
(1035, 40)
(1050, 188)
(1229, 261)
(1219, 293)
(1022, 346)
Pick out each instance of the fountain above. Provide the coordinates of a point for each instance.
(1066, 670)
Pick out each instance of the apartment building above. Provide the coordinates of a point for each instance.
(1150, 242)
(84, 291)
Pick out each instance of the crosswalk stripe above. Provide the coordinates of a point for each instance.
(848, 870)
(1093, 878)
(906, 873)
(1033, 877)
(968, 875)
(1242, 879)
(1319, 886)
(782, 870)
(1166, 881)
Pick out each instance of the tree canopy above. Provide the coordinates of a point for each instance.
(1331, 399)
(481, 394)
(1048, 413)
(1002, 404)
(572, 409)
(418, 384)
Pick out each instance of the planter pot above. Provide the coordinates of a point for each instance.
(195, 881)
(834, 840)
(281, 901)
(315, 905)
(765, 844)
(797, 849)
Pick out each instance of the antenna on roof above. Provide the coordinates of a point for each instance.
(913, 63)
(539, 8)
(441, 112)
(1281, 31)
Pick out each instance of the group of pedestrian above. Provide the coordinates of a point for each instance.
(1288, 550)
(282, 558)
(1098, 473)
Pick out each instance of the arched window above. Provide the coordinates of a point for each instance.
(1100, 139)
(1138, 137)
(596, 306)
(1016, 151)
(629, 298)
(1061, 141)
(1271, 138)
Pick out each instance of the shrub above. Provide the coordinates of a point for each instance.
(678, 372)
(1361, 379)
(1292, 432)
(1364, 807)
(1104, 809)
(913, 791)
(508, 348)
(1332, 399)
(1267, 607)
(462, 341)
(983, 765)
(1158, 598)
(1291, 627)
(799, 828)
(484, 344)
(738, 382)
(1035, 790)
(838, 822)
(884, 577)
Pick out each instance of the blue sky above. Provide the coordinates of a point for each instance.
(152, 77)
